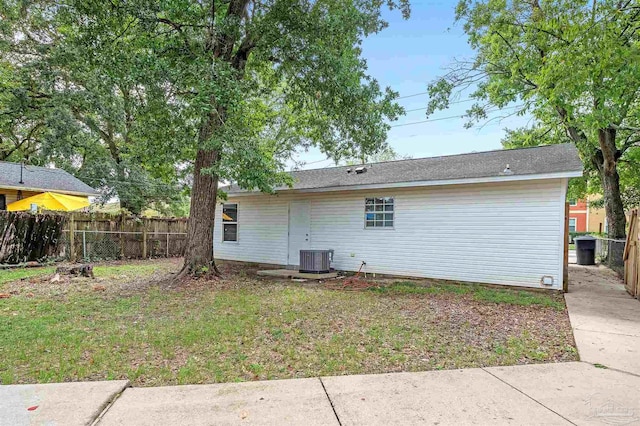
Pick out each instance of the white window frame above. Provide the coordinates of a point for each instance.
(226, 222)
(575, 224)
(383, 211)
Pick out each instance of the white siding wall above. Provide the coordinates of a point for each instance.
(262, 231)
(506, 233)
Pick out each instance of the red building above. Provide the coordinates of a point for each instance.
(578, 215)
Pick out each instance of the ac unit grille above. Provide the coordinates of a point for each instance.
(315, 261)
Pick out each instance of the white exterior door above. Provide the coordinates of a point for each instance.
(299, 230)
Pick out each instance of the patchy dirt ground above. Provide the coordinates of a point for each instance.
(120, 278)
(133, 322)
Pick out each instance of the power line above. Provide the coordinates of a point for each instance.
(450, 103)
(413, 95)
(449, 117)
(428, 121)
(317, 161)
(107, 180)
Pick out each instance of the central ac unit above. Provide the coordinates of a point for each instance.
(315, 261)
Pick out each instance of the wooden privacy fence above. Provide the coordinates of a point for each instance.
(88, 236)
(632, 256)
(25, 237)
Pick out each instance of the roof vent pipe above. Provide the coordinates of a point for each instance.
(507, 170)
(21, 167)
(360, 170)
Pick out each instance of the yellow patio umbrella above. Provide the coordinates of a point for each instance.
(50, 201)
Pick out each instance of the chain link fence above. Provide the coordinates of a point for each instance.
(93, 245)
(609, 252)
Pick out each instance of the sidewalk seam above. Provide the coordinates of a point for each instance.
(335, 413)
(611, 368)
(605, 332)
(625, 296)
(528, 396)
(109, 405)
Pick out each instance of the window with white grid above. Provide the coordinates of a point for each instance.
(378, 212)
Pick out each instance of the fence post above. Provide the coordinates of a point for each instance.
(144, 238)
(84, 245)
(122, 236)
(167, 244)
(72, 243)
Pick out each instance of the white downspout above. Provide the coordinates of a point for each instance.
(588, 203)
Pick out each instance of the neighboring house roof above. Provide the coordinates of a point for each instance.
(42, 179)
(525, 163)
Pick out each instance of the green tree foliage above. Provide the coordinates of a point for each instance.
(232, 88)
(92, 107)
(573, 65)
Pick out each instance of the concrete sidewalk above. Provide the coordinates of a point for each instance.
(77, 403)
(606, 327)
(567, 393)
(604, 318)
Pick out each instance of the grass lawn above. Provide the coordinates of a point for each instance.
(131, 323)
(9, 275)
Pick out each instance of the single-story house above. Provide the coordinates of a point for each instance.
(458, 217)
(19, 181)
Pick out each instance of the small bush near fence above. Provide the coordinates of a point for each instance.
(573, 235)
(88, 236)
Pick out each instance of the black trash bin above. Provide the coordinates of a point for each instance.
(585, 250)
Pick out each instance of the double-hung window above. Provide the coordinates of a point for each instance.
(378, 212)
(572, 224)
(230, 222)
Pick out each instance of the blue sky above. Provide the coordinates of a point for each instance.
(408, 55)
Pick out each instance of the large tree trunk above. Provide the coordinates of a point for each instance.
(614, 208)
(199, 251)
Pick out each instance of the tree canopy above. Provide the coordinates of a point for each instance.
(572, 65)
(90, 107)
(222, 89)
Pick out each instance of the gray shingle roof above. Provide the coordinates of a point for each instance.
(560, 158)
(42, 178)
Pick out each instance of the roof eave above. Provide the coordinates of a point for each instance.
(61, 191)
(411, 184)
